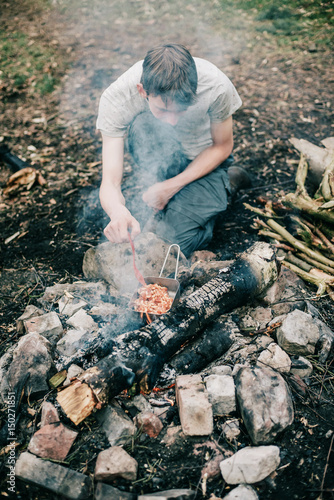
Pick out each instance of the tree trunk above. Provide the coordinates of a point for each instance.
(144, 352)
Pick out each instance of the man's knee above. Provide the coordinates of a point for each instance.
(187, 233)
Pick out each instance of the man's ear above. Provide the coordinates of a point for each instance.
(141, 90)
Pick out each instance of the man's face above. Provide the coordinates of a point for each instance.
(169, 112)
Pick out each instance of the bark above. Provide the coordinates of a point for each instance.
(212, 344)
(144, 352)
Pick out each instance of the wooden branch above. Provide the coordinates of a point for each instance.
(307, 277)
(325, 188)
(306, 204)
(142, 353)
(315, 263)
(299, 245)
(301, 174)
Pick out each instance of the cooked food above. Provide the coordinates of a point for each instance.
(153, 299)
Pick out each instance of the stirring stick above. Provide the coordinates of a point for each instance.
(138, 274)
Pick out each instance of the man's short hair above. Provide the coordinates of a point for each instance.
(170, 72)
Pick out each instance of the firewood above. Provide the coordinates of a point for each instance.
(142, 353)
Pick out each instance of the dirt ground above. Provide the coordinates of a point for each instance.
(285, 90)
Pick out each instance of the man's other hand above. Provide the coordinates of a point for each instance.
(158, 195)
(120, 224)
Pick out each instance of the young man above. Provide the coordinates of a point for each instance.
(177, 111)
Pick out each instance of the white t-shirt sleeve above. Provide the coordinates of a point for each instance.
(225, 99)
(120, 103)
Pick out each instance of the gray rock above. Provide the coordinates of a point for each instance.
(91, 292)
(31, 356)
(69, 305)
(298, 333)
(29, 312)
(256, 319)
(53, 477)
(82, 320)
(288, 286)
(177, 494)
(220, 370)
(104, 310)
(231, 429)
(326, 340)
(105, 491)
(301, 366)
(72, 372)
(274, 357)
(115, 462)
(116, 424)
(73, 341)
(48, 325)
(221, 391)
(242, 492)
(250, 465)
(113, 263)
(265, 403)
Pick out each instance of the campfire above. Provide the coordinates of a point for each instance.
(193, 360)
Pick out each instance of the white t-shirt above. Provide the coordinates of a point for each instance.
(217, 99)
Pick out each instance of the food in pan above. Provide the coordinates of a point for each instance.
(153, 299)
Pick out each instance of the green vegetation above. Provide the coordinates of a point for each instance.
(302, 21)
(26, 65)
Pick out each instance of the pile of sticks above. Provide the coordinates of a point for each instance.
(307, 249)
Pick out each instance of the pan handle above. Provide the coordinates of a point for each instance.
(177, 260)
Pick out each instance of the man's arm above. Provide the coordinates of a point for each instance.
(158, 195)
(111, 197)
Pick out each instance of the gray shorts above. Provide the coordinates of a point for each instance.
(190, 215)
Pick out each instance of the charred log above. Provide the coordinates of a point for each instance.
(144, 352)
(213, 343)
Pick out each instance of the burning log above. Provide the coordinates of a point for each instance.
(141, 354)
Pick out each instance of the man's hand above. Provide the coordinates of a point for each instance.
(158, 195)
(120, 223)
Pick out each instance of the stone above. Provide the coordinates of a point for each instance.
(48, 325)
(73, 341)
(115, 462)
(31, 356)
(326, 340)
(139, 402)
(203, 255)
(242, 492)
(275, 357)
(256, 319)
(113, 263)
(82, 321)
(105, 491)
(117, 426)
(231, 429)
(194, 408)
(72, 372)
(177, 494)
(149, 423)
(52, 441)
(221, 391)
(173, 434)
(287, 285)
(91, 292)
(250, 464)
(265, 403)
(69, 305)
(56, 478)
(104, 310)
(298, 333)
(49, 414)
(301, 366)
(29, 312)
(220, 370)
